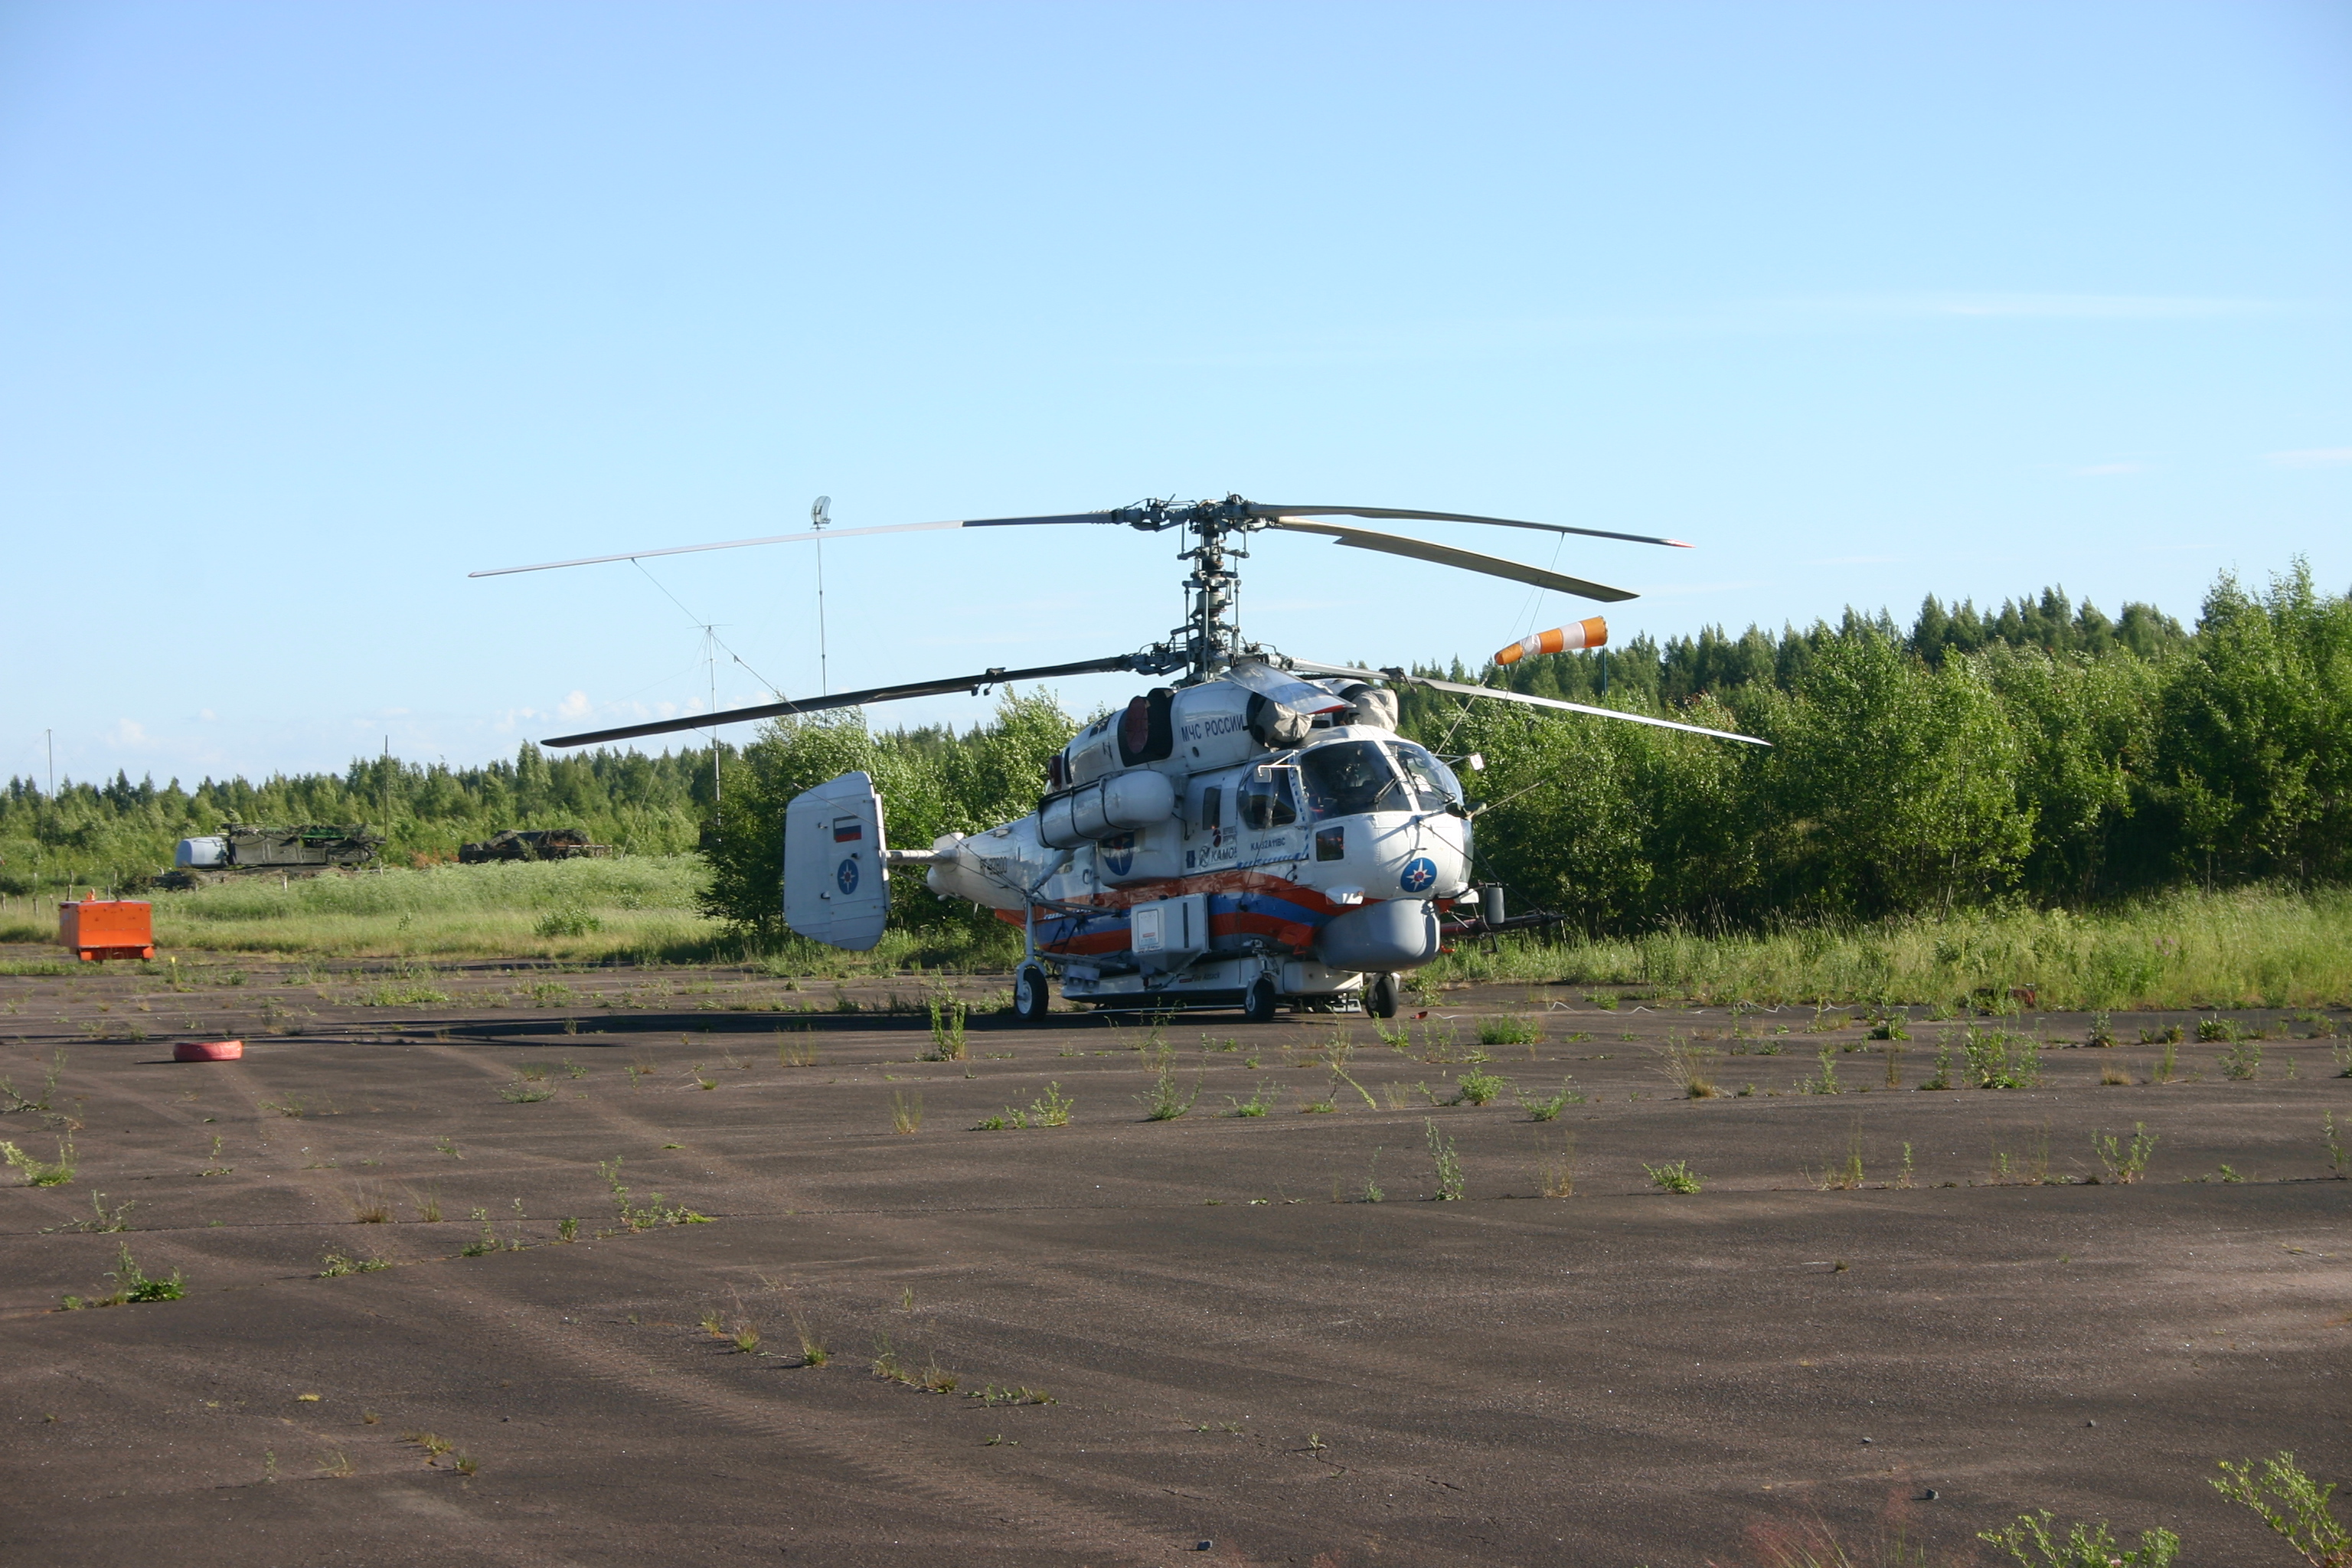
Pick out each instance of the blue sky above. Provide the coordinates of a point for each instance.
(305, 311)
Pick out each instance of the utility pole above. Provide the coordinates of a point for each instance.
(820, 514)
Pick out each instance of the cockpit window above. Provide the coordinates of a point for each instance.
(1432, 781)
(1264, 798)
(1351, 778)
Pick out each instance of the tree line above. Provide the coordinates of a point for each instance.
(2044, 751)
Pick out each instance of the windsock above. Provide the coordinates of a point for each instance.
(1590, 633)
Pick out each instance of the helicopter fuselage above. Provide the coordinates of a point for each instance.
(1208, 837)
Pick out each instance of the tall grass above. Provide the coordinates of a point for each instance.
(2247, 947)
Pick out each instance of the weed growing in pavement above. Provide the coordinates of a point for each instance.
(567, 1229)
(1009, 1119)
(1892, 1026)
(1556, 1169)
(1051, 1108)
(1325, 1106)
(2113, 1076)
(40, 1106)
(334, 1263)
(334, 1464)
(2032, 1170)
(1942, 1077)
(1690, 1069)
(1258, 1103)
(2214, 1029)
(1844, 1174)
(43, 1172)
(1826, 1080)
(2242, 1059)
(1675, 1177)
(573, 1070)
(1339, 1075)
(427, 1206)
(102, 1219)
(701, 1079)
(446, 1146)
(1396, 1037)
(947, 1016)
(2168, 1065)
(1168, 1101)
(2102, 1032)
(1903, 1176)
(1548, 1110)
(132, 1284)
(2085, 1545)
(796, 1048)
(486, 1243)
(637, 1071)
(1020, 1393)
(290, 1106)
(1372, 1192)
(905, 1111)
(2337, 1164)
(1447, 1163)
(523, 1091)
(1893, 1052)
(2292, 1505)
(2343, 1054)
(647, 1215)
(2168, 1035)
(813, 1350)
(1510, 1031)
(370, 1208)
(2001, 1059)
(2124, 1162)
(1477, 1087)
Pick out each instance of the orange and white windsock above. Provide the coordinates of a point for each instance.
(1590, 633)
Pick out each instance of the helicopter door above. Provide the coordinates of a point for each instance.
(836, 892)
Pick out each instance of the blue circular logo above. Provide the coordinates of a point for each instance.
(1118, 853)
(846, 877)
(1419, 874)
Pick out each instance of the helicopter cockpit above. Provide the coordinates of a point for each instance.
(1354, 778)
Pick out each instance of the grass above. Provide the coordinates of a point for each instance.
(1998, 1059)
(1556, 1169)
(644, 1216)
(1477, 1087)
(1690, 1069)
(523, 1091)
(947, 1029)
(2251, 947)
(1258, 1103)
(2294, 1506)
(2084, 1544)
(334, 1263)
(1510, 1031)
(2242, 1059)
(1846, 1173)
(905, 1111)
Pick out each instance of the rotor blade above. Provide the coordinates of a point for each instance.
(1461, 690)
(1469, 560)
(848, 700)
(803, 537)
(1259, 509)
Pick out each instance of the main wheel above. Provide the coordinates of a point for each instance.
(1257, 1004)
(1031, 994)
(1380, 996)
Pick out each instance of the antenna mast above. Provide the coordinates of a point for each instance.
(820, 514)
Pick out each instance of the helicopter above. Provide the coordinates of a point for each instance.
(1254, 833)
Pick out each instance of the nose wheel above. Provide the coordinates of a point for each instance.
(1380, 996)
(1258, 1002)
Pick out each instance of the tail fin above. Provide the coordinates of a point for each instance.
(834, 889)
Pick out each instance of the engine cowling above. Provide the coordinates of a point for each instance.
(1119, 804)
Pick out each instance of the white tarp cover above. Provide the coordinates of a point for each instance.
(834, 889)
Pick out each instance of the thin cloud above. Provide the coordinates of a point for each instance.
(2107, 471)
(2311, 458)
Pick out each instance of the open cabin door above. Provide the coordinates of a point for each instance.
(835, 890)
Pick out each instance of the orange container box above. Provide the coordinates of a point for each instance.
(98, 928)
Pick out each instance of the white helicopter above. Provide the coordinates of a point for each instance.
(1255, 834)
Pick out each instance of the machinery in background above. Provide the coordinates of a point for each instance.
(241, 849)
(536, 843)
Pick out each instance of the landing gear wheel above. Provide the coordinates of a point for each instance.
(1257, 1004)
(1030, 995)
(1380, 996)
